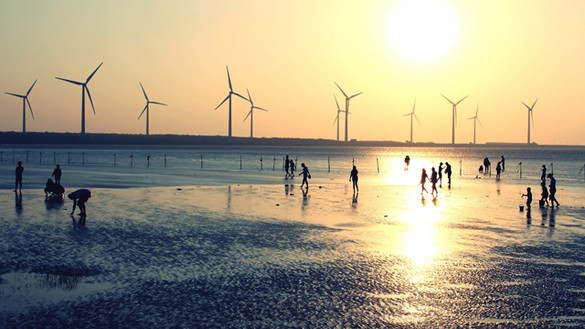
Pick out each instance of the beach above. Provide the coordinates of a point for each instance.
(267, 255)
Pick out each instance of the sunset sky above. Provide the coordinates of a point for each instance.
(288, 54)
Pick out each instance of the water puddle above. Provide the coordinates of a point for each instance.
(19, 291)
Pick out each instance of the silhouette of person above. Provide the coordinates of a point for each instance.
(423, 179)
(440, 171)
(487, 166)
(448, 172)
(79, 198)
(306, 175)
(498, 169)
(18, 174)
(353, 177)
(503, 161)
(286, 166)
(480, 169)
(528, 196)
(434, 180)
(543, 175)
(552, 188)
(543, 195)
(53, 191)
(406, 162)
(292, 169)
(57, 174)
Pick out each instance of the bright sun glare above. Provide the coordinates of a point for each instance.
(423, 30)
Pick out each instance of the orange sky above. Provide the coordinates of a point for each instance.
(289, 54)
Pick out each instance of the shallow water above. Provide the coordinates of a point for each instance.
(268, 256)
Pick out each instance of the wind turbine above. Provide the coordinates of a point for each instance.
(411, 122)
(229, 96)
(146, 108)
(337, 116)
(346, 106)
(454, 116)
(530, 108)
(83, 90)
(475, 119)
(251, 114)
(24, 102)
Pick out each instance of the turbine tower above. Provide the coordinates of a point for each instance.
(337, 116)
(146, 108)
(24, 102)
(475, 119)
(229, 96)
(83, 90)
(411, 114)
(530, 108)
(251, 114)
(346, 106)
(454, 116)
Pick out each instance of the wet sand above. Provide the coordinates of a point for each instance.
(268, 256)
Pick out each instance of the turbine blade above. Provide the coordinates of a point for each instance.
(30, 108)
(247, 115)
(229, 79)
(70, 81)
(448, 99)
(145, 107)
(250, 97)
(31, 87)
(413, 106)
(336, 118)
(476, 109)
(242, 97)
(259, 108)
(89, 95)
(337, 103)
(91, 75)
(407, 114)
(528, 107)
(144, 92)
(461, 100)
(352, 96)
(479, 123)
(225, 99)
(11, 94)
(534, 103)
(157, 103)
(343, 92)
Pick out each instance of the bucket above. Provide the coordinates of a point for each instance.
(521, 208)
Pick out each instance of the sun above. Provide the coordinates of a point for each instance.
(423, 30)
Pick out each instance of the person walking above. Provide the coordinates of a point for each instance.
(286, 166)
(448, 172)
(552, 188)
(57, 174)
(353, 177)
(423, 178)
(306, 175)
(543, 195)
(440, 172)
(434, 180)
(18, 174)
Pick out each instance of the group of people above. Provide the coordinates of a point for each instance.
(547, 193)
(436, 177)
(486, 167)
(54, 191)
(289, 168)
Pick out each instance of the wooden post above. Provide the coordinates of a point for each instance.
(165, 159)
(520, 169)
(40, 157)
(378, 165)
(201, 161)
(328, 164)
(274, 163)
(261, 164)
(460, 167)
(131, 159)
